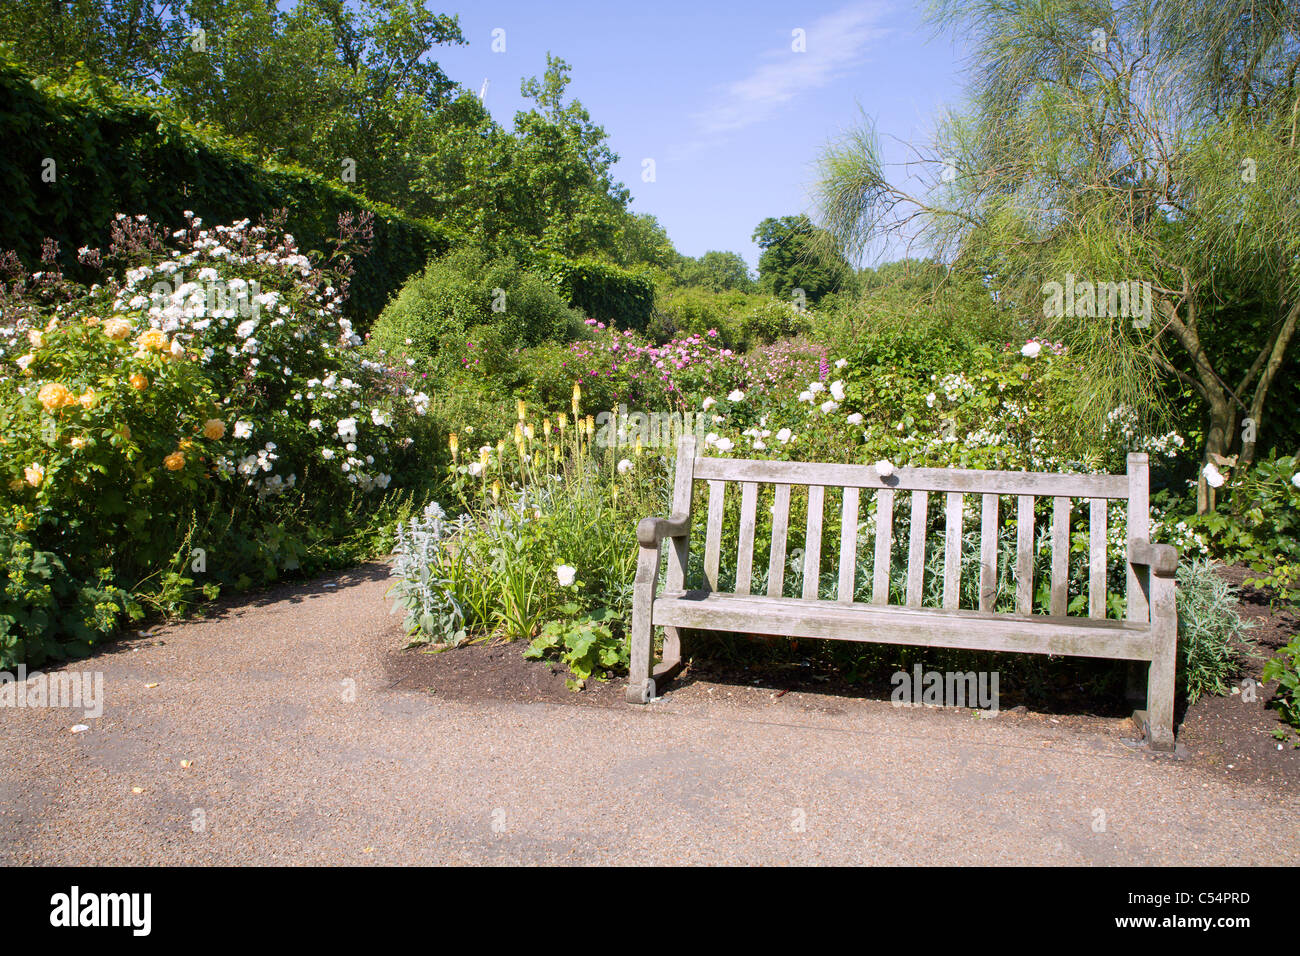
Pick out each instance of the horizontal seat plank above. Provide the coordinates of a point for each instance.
(930, 627)
(962, 480)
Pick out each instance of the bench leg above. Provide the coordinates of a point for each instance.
(640, 681)
(1160, 676)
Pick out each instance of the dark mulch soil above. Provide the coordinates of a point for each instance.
(1231, 738)
(1226, 737)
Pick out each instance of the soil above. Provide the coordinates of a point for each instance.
(1225, 737)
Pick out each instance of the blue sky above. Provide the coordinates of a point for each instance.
(732, 116)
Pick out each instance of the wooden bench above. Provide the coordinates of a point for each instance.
(1148, 634)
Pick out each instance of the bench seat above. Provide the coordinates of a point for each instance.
(891, 624)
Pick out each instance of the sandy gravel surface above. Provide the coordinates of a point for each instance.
(301, 750)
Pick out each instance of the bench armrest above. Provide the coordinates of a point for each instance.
(652, 531)
(1162, 559)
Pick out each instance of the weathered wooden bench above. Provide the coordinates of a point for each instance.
(1148, 634)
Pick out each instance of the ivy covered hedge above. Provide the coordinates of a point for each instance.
(80, 151)
(604, 290)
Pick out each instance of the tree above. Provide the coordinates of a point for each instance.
(1128, 147)
(793, 258)
(717, 272)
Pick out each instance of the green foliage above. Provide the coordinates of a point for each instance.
(604, 291)
(1259, 524)
(116, 151)
(796, 255)
(585, 643)
(1285, 669)
(1211, 631)
(491, 304)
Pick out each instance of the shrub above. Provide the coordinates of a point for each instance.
(211, 398)
(603, 290)
(1284, 668)
(465, 302)
(1210, 630)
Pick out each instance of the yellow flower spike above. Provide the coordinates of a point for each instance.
(546, 427)
(484, 458)
(519, 432)
(638, 445)
(453, 442)
(522, 408)
(591, 426)
(496, 490)
(501, 448)
(562, 422)
(529, 432)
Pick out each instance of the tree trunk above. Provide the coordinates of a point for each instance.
(1217, 441)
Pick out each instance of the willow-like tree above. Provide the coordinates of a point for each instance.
(1116, 142)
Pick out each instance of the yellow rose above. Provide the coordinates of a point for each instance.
(175, 461)
(214, 429)
(153, 340)
(78, 443)
(138, 382)
(54, 396)
(117, 328)
(34, 474)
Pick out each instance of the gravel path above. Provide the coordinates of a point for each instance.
(301, 751)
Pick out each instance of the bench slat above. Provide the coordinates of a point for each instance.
(1139, 527)
(1060, 556)
(1097, 558)
(745, 549)
(848, 544)
(1025, 554)
(713, 536)
(989, 553)
(930, 627)
(952, 552)
(916, 548)
(812, 545)
(776, 559)
(965, 480)
(884, 545)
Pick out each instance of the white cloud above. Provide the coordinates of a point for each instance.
(835, 43)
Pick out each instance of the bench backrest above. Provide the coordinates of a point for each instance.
(954, 484)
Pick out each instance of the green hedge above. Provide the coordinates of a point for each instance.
(603, 290)
(115, 151)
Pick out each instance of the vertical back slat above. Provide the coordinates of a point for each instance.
(812, 545)
(1139, 526)
(916, 548)
(1097, 558)
(848, 544)
(780, 521)
(884, 544)
(1025, 554)
(952, 552)
(745, 549)
(713, 536)
(1060, 556)
(683, 493)
(989, 552)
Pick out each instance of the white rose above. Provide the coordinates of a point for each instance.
(784, 435)
(565, 575)
(884, 468)
(829, 406)
(735, 395)
(708, 403)
(837, 390)
(816, 387)
(624, 466)
(855, 418)
(725, 444)
(243, 429)
(1031, 349)
(1213, 477)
